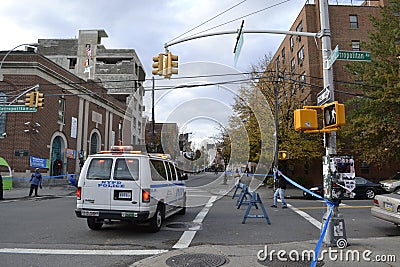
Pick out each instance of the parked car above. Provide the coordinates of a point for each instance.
(319, 190)
(392, 184)
(387, 207)
(364, 189)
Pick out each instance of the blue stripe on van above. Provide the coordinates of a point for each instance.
(166, 185)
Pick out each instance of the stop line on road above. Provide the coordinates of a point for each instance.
(127, 252)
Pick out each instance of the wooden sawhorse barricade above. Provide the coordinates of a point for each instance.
(251, 198)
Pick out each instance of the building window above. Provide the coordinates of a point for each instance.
(353, 22)
(277, 63)
(61, 110)
(300, 56)
(72, 63)
(283, 56)
(293, 65)
(299, 29)
(94, 144)
(302, 79)
(355, 45)
(3, 118)
(291, 43)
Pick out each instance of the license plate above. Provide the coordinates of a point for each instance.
(90, 213)
(125, 195)
(388, 206)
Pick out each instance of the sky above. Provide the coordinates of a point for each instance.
(147, 25)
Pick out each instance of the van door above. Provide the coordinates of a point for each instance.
(96, 193)
(126, 189)
(160, 185)
(171, 193)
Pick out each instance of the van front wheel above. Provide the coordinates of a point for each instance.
(93, 224)
(157, 220)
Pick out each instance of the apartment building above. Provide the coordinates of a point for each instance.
(118, 70)
(300, 58)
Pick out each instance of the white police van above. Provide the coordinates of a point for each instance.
(126, 185)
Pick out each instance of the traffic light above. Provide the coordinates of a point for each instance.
(305, 119)
(334, 115)
(172, 65)
(30, 99)
(158, 64)
(39, 100)
(283, 155)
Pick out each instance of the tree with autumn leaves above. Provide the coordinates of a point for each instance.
(373, 118)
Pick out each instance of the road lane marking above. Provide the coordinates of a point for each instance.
(125, 252)
(306, 216)
(188, 236)
(344, 207)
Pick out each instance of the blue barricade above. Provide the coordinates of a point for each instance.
(255, 198)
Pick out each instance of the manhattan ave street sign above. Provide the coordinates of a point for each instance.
(16, 108)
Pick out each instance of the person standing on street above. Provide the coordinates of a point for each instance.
(280, 190)
(36, 181)
(1, 188)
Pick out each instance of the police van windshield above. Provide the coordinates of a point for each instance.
(99, 169)
(126, 169)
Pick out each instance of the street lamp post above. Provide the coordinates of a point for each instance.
(2, 61)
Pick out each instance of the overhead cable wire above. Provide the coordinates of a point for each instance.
(250, 14)
(208, 20)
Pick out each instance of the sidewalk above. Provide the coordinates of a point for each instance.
(46, 192)
(233, 256)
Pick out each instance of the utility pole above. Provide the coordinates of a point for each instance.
(276, 93)
(336, 222)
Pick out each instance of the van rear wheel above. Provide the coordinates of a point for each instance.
(157, 220)
(93, 224)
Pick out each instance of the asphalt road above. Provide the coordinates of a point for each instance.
(46, 232)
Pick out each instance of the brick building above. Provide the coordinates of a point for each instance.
(119, 70)
(301, 58)
(78, 115)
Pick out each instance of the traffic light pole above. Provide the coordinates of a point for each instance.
(336, 220)
(329, 138)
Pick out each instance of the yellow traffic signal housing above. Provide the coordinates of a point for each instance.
(158, 64)
(283, 155)
(30, 99)
(39, 100)
(305, 119)
(334, 115)
(172, 65)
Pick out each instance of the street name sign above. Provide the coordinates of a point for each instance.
(324, 96)
(354, 55)
(16, 108)
(334, 55)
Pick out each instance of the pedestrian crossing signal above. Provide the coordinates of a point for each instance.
(334, 115)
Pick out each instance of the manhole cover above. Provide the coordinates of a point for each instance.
(288, 263)
(197, 260)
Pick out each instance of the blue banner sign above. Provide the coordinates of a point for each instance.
(37, 162)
